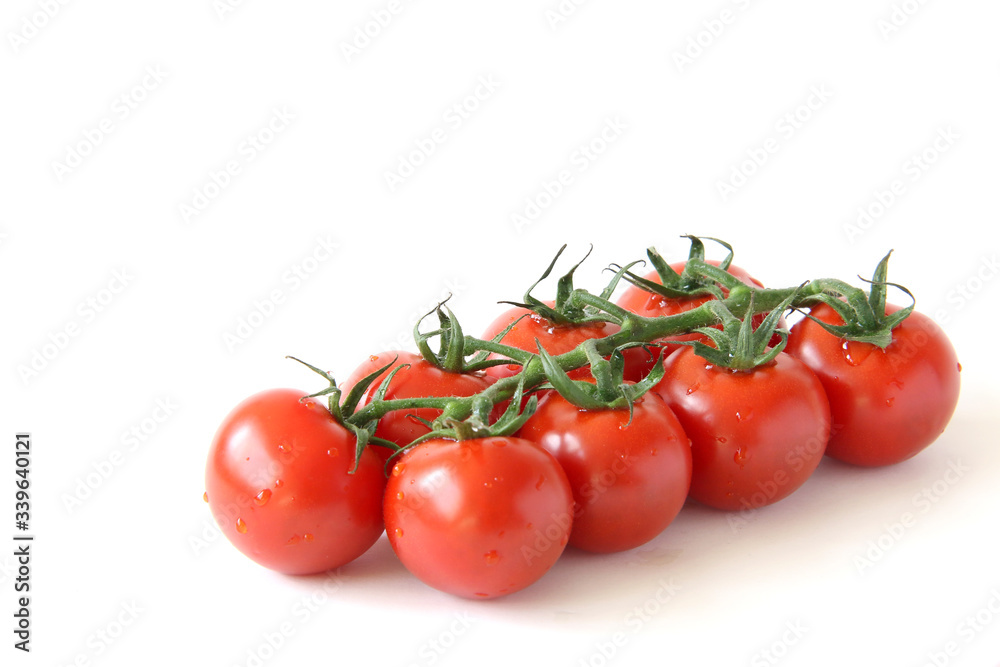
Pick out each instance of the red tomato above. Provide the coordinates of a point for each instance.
(421, 378)
(756, 435)
(279, 485)
(478, 518)
(886, 405)
(629, 482)
(554, 338)
(638, 362)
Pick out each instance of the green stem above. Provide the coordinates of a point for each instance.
(635, 329)
(517, 354)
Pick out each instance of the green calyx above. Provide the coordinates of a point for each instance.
(564, 311)
(478, 424)
(609, 391)
(738, 346)
(454, 353)
(863, 313)
(699, 277)
(342, 407)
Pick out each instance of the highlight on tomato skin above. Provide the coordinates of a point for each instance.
(629, 478)
(479, 518)
(279, 484)
(886, 405)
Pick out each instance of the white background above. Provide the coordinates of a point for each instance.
(883, 80)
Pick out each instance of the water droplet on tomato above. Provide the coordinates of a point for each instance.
(709, 367)
(204, 496)
(693, 388)
(959, 367)
(896, 383)
(492, 558)
(284, 448)
(333, 452)
(744, 415)
(278, 484)
(890, 400)
(399, 532)
(293, 540)
(398, 469)
(856, 352)
(308, 537)
(741, 456)
(540, 482)
(241, 526)
(400, 495)
(721, 439)
(262, 497)
(373, 357)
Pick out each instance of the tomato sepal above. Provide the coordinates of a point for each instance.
(341, 412)
(863, 314)
(738, 345)
(565, 310)
(699, 278)
(456, 347)
(477, 425)
(609, 391)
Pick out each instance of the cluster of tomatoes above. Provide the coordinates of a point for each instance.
(603, 455)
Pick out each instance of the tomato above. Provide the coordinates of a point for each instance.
(629, 481)
(478, 518)
(638, 361)
(279, 485)
(421, 378)
(886, 405)
(555, 339)
(756, 435)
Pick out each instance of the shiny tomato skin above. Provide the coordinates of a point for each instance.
(887, 405)
(478, 518)
(554, 338)
(637, 300)
(278, 483)
(629, 481)
(421, 378)
(756, 436)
